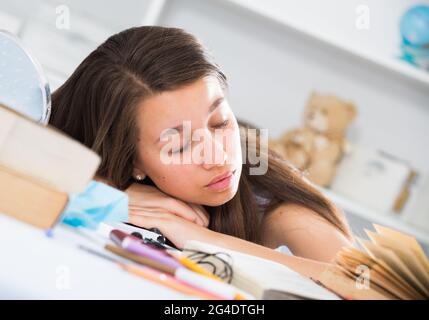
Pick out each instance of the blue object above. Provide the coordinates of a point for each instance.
(414, 26)
(98, 203)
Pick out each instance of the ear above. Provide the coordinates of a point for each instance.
(351, 110)
(314, 94)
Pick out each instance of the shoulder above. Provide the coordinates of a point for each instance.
(304, 231)
(293, 217)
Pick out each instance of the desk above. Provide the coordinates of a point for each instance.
(34, 266)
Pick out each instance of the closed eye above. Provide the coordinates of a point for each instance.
(222, 125)
(181, 149)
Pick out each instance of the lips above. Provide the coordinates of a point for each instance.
(221, 177)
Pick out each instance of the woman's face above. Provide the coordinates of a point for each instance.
(187, 138)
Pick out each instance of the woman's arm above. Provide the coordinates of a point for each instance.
(143, 198)
(305, 232)
(306, 267)
(179, 230)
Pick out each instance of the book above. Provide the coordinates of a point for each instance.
(262, 278)
(29, 200)
(389, 265)
(39, 168)
(44, 153)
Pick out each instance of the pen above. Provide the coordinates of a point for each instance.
(134, 245)
(194, 279)
(201, 282)
(139, 259)
(169, 281)
(155, 276)
(207, 284)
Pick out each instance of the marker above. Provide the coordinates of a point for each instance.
(196, 280)
(193, 279)
(169, 281)
(156, 276)
(139, 259)
(218, 288)
(134, 245)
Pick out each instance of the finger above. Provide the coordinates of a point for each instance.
(188, 214)
(201, 213)
(151, 198)
(182, 209)
(149, 220)
(156, 214)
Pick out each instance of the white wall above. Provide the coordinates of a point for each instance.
(272, 69)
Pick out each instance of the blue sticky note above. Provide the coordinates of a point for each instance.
(98, 203)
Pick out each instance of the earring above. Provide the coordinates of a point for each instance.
(139, 177)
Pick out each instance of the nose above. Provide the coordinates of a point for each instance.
(214, 152)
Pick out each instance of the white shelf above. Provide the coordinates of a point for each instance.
(386, 219)
(405, 70)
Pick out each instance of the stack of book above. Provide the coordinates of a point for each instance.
(39, 168)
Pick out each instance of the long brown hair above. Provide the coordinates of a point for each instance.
(97, 106)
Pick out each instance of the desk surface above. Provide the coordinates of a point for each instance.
(34, 266)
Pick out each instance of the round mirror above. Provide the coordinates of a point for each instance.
(23, 86)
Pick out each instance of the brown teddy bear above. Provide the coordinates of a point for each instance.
(316, 147)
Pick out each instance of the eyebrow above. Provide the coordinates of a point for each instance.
(179, 128)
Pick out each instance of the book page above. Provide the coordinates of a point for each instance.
(406, 255)
(254, 274)
(406, 240)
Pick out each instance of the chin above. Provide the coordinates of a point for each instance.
(220, 199)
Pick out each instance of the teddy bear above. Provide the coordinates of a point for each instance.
(317, 146)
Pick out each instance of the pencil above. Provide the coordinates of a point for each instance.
(192, 265)
(183, 275)
(139, 259)
(168, 281)
(155, 276)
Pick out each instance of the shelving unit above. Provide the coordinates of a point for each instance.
(389, 64)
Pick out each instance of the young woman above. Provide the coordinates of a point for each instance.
(144, 84)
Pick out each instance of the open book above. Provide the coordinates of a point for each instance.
(391, 264)
(264, 279)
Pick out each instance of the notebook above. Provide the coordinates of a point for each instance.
(262, 278)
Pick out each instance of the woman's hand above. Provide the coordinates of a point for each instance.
(174, 228)
(145, 199)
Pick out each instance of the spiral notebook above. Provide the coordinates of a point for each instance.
(264, 279)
